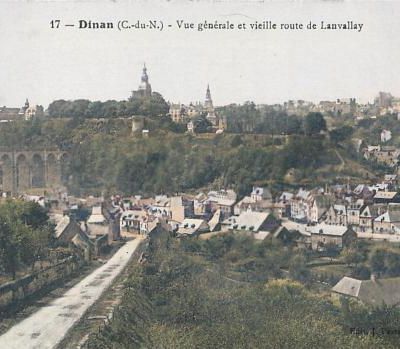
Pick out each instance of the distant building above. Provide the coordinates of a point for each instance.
(249, 221)
(181, 113)
(388, 222)
(372, 292)
(192, 227)
(323, 235)
(386, 136)
(384, 100)
(144, 90)
(26, 112)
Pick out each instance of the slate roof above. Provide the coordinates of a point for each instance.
(62, 224)
(248, 220)
(389, 216)
(191, 226)
(326, 229)
(372, 292)
(215, 220)
(388, 195)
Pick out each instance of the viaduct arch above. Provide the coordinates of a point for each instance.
(24, 169)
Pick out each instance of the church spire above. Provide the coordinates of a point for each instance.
(145, 77)
(208, 93)
(208, 102)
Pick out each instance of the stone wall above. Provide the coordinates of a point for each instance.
(17, 291)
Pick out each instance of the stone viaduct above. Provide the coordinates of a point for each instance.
(24, 169)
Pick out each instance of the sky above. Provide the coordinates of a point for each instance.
(264, 66)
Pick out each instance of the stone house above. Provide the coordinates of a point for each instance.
(388, 222)
(353, 212)
(299, 205)
(367, 216)
(337, 215)
(319, 204)
(323, 235)
(372, 292)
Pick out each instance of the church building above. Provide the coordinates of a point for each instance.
(144, 90)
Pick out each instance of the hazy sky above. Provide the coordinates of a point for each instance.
(44, 64)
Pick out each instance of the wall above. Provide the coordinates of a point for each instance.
(17, 291)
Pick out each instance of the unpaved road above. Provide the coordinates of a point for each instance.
(48, 326)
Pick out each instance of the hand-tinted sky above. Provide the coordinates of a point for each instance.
(267, 67)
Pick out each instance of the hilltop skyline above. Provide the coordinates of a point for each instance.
(266, 67)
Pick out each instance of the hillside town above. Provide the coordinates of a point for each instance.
(333, 221)
(312, 218)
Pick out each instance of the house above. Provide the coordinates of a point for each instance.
(388, 222)
(375, 292)
(319, 204)
(367, 217)
(252, 222)
(260, 193)
(130, 220)
(248, 203)
(150, 223)
(97, 224)
(200, 205)
(181, 208)
(68, 231)
(223, 200)
(337, 215)
(284, 204)
(161, 206)
(364, 192)
(386, 197)
(113, 214)
(388, 156)
(390, 179)
(299, 205)
(192, 227)
(324, 234)
(286, 236)
(353, 212)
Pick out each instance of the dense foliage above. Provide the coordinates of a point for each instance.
(181, 299)
(25, 235)
(154, 105)
(268, 147)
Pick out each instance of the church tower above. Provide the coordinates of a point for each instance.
(144, 90)
(209, 107)
(24, 108)
(208, 104)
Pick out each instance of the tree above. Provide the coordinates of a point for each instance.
(340, 134)
(352, 256)
(298, 269)
(331, 249)
(393, 263)
(377, 261)
(314, 123)
(202, 125)
(236, 141)
(9, 248)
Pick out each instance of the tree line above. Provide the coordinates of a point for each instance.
(155, 105)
